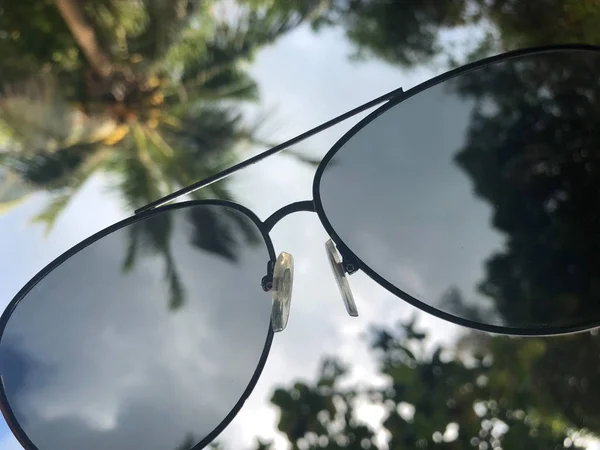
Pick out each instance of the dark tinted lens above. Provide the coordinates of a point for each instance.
(480, 195)
(145, 339)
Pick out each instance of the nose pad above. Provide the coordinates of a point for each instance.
(283, 280)
(340, 278)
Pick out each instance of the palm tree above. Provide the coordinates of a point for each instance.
(168, 111)
(149, 100)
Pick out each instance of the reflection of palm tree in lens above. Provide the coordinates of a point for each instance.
(187, 443)
(154, 235)
(144, 93)
(219, 233)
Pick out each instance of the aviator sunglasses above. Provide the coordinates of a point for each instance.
(154, 331)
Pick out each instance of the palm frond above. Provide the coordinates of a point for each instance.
(76, 179)
(36, 118)
(53, 209)
(132, 250)
(6, 206)
(134, 184)
(217, 190)
(204, 139)
(166, 20)
(162, 145)
(231, 84)
(13, 191)
(59, 169)
(217, 84)
(211, 233)
(233, 41)
(153, 236)
(141, 144)
(299, 155)
(249, 231)
(144, 29)
(153, 166)
(176, 288)
(36, 114)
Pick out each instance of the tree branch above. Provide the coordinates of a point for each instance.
(85, 36)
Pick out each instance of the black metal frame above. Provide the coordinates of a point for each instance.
(351, 261)
(5, 408)
(348, 253)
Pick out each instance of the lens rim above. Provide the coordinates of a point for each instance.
(346, 250)
(5, 408)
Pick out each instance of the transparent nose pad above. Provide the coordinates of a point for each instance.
(340, 278)
(283, 280)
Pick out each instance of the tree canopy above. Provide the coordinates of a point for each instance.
(487, 392)
(145, 94)
(413, 32)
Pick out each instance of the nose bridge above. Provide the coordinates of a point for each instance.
(305, 205)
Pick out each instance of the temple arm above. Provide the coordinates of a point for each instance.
(233, 169)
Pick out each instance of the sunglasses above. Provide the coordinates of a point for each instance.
(153, 332)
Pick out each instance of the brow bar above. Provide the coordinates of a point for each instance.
(250, 161)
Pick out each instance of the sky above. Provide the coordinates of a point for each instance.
(304, 80)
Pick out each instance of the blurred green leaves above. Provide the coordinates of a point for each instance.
(164, 101)
(488, 393)
(145, 95)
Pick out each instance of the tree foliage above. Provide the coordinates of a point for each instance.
(530, 154)
(166, 106)
(146, 94)
(409, 33)
(487, 392)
